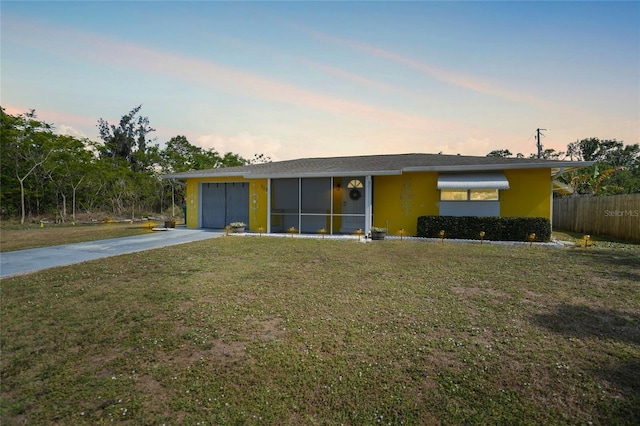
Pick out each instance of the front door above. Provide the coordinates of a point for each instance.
(353, 206)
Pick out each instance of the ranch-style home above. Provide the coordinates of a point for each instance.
(343, 194)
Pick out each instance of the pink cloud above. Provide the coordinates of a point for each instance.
(376, 129)
(459, 79)
(119, 54)
(62, 122)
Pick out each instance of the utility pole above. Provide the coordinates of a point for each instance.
(538, 134)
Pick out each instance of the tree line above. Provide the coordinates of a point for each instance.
(43, 173)
(616, 168)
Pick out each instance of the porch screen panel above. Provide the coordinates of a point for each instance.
(316, 195)
(237, 199)
(213, 205)
(315, 204)
(284, 204)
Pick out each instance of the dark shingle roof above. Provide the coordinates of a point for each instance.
(377, 165)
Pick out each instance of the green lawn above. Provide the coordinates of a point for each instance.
(19, 237)
(258, 330)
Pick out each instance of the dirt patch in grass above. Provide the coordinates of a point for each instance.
(477, 291)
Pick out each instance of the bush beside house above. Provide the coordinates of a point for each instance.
(495, 228)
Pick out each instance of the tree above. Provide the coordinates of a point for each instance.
(180, 156)
(617, 168)
(41, 171)
(548, 154)
(67, 169)
(260, 159)
(128, 141)
(26, 145)
(503, 153)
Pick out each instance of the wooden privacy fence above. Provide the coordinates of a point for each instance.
(614, 215)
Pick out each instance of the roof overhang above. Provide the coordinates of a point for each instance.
(249, 175)
(473, 181)
(553, 165)
(328, 174)
(326, 170)
(192, 175)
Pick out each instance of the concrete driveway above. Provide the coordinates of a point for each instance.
(31, 260)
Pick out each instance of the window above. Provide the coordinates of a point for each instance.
(469, 195)
(484, 195)
(355, 183)
(453, 195)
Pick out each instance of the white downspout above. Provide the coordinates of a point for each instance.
(269, 206)
(368, 203)
(551, 206)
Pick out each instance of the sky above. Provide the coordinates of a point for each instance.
(322, 79)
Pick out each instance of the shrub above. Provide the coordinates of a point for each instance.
(495, 228)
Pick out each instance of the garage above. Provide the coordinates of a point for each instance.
(223, 203)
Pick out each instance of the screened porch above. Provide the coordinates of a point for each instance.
(333, 205)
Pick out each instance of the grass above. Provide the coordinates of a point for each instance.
(19, 237)
(250, 330)
(595, 241)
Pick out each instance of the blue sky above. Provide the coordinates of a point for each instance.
(309, 79)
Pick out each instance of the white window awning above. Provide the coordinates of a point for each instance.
(473, 181)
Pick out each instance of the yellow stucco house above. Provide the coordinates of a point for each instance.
(342, 194)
